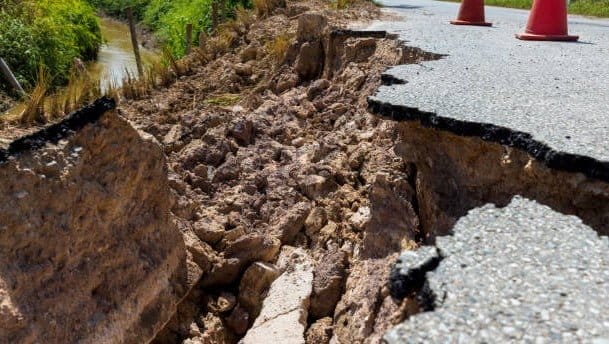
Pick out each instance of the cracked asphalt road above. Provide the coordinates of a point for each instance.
(557, 92)
(523, 273)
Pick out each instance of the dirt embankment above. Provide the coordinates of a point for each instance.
(88, 251)
(280, 175)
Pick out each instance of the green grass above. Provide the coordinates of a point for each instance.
(224, 99)
(169, 19)
(525, 4)
(596, 8)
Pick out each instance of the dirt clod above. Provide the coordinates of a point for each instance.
(320, 332)
(254, 286)
(328, 282)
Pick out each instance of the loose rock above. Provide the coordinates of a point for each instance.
(292, 222)
(243, 132)
(239, 254)
(310, 27)
(238, 320)
(315, 186)
(320, 332)
(254, 286)
(309, 63)
(328, 282)
(315, 221)
(284, 312)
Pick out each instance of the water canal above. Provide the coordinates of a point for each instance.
(114, 61)
(116, 57)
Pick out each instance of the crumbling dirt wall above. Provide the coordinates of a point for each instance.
(458, 173)
(88, 251)
(298, 162)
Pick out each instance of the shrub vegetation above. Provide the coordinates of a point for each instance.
(116, 8)
(168, 18)
(47, 33)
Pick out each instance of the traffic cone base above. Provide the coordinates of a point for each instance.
(534, 37)
(547, 22)
(463, 22)
(471, 12)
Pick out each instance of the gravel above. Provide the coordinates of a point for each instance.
(408, 275)
(556, 92)
(523, 273)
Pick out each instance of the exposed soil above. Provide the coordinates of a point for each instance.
(295, 160)
(89, 251)
(293, 201)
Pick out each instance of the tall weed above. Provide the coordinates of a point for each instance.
(278, 47)
(34, 110)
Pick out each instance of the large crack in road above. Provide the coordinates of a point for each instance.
(506, 139)
(520, 273)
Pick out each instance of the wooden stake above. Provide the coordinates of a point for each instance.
(202, 39)
(188, 38)
(8, 74)
(214, 15)
(136, 47)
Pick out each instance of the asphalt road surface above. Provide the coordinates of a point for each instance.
(522, 273)
(558, 93)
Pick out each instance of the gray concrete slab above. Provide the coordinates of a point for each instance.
(523, 274)
(552, 97)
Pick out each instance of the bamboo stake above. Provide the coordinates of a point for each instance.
(136, 47)
(188, 38)
(214, 15)
(8, 74)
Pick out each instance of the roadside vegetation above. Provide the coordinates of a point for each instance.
(40, 39)
(47, 34)
(596, 8)
(81, 88)
(168, 18)
(51, 34)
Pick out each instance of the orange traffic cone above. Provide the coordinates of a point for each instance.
(547, 22)
(471, 12)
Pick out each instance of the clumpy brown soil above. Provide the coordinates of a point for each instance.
(88, 249)
(265, 153)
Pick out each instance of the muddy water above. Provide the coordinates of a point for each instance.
(116, 57)
(114, 61)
